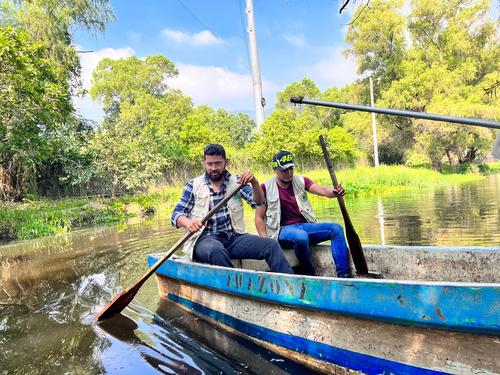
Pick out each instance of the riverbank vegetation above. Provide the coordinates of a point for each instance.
(490, 168)
(40, 218)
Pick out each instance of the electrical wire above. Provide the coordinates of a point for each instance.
(235, 55)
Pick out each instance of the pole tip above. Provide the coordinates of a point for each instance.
(296, 99)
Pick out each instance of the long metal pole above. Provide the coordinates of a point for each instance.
(374, 126)
(399, 112)
(254, 63)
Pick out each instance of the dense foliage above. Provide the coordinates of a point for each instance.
(438, 57)
(40, 134)
(444, 57)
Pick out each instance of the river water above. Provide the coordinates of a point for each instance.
(51, 288)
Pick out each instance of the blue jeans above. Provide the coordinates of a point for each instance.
(218, 249)
(301, 236)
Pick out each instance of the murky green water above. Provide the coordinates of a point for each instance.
(51, 288)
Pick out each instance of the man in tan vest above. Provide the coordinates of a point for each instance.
(288, 216)
(223, 237)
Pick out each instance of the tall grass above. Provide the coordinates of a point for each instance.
(41, 218)
(369, 180)
(491, 168)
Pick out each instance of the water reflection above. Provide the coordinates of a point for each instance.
(456, 215)
(175, 341)
(380, 215)
(170, 359)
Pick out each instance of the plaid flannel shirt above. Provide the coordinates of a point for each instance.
(220, 221)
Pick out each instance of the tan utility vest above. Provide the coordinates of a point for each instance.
(273, 213)
(201, 193)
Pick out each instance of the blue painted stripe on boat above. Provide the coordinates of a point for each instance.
(429, 305)
(324, 352)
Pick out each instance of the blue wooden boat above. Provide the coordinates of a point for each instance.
(436, 311)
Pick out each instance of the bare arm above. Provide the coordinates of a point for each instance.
(326, 191)
(257, 193)
(260, 217)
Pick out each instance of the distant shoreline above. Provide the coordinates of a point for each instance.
(51, 217)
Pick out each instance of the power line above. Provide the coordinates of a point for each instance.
(208, 28)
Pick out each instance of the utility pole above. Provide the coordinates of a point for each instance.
(254, 63)
(374, 126)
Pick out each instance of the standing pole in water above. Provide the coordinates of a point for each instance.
(374, 127)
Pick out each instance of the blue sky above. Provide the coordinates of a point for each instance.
(207, 42)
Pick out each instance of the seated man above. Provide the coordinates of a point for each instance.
(223, 237)
(288, 216)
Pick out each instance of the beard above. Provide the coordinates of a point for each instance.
(286, 180)
(214, 176)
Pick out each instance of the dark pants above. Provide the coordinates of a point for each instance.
(218, 249)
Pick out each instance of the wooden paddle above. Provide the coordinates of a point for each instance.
(122, 300)
(355, 247)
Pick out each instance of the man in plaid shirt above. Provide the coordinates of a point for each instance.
(223, 237)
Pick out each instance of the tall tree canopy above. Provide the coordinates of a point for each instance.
(115, 82)
(138, 140)
(443, 58)
(39, 73)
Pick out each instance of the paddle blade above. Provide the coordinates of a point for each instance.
(118, 303)
(358, 256)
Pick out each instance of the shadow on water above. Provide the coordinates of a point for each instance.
(175, 341)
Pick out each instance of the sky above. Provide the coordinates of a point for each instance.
(207, 41)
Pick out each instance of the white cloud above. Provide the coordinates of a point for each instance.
(203, 38)
(297, 40)
(89, 61)
(334, 70)
(220, 87)
(215, 86)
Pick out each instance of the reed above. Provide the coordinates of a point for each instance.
(44, 217)
(490, 168)
(369, 180)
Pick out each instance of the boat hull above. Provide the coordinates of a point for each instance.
(338, 326)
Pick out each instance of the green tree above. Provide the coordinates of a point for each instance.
(204, 125)
(140, 141)
(447, 65)
(443, 74)
(39, 74)
(299, 133)
(143, 144)
(69, 168)
(305, 88)
(53, 22)
(377, 40)
(34, 101)
(115, 82)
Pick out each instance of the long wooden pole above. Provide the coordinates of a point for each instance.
(400, 112)
(353, 240)
(122, 300)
